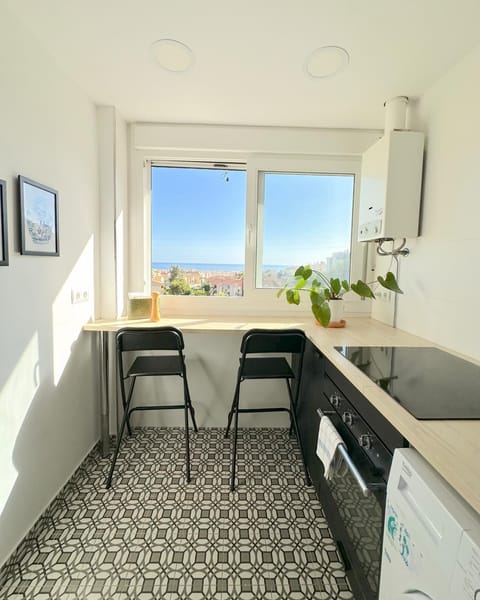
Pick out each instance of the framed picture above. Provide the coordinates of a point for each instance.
(38, 218)
(3, 225)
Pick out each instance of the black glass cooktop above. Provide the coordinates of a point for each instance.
(428, 382)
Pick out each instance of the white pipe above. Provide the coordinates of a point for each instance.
(395, 113)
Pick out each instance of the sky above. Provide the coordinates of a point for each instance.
(198, 216)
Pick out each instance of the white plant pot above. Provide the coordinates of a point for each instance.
(336, 311)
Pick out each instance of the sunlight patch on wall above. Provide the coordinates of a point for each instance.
(15, 399)
(72, 308)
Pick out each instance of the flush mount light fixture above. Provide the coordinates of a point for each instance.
(327, 61)
(171, 55)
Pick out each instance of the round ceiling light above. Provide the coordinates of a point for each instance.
(327, 61)
(172, 55)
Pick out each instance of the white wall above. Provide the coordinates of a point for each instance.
(48, 411)
(440, 277)
(112, 162)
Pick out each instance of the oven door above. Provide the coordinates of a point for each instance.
(355, 516)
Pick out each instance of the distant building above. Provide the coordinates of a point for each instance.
(226, 285)
(338, 265)
(223, 283)
(159, 276)
(193, 278)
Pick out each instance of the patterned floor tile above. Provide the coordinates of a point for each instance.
(154, 537)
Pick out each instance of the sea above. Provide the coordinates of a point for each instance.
(210, 266)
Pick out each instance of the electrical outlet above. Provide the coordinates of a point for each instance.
(79, 295)
(385, 296)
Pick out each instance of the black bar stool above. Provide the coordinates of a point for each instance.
(137, 339)
(269, 341)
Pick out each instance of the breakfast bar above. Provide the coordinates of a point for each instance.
(452, 447)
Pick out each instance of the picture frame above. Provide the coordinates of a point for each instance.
(3, 224)
(38, 218)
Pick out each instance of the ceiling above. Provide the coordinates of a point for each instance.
(249, 56)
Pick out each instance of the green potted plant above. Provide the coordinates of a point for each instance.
(326, 293)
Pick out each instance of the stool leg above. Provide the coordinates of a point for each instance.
(293, 417)
(290, 431)
(189, 404)
(232, 409)
(294, 401)
(122, 428)
(124, 403)
(235, 434)
(187, 433)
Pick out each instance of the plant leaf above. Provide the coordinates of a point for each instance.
(345, 285)
(362, 289)
(304, 271)
(281, 290)
(327, 294)
(322, 313)
(335, 285)
(293, 297)
(300, 283)
(317, 297)
(299, 271)
(390, 282)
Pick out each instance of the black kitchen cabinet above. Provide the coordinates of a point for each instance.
(354, 517)
(311, 398)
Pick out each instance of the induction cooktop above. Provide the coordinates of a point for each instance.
(428, 382)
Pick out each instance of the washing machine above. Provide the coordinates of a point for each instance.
(431, 539)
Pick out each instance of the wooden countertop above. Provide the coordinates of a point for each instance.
(197, 324)
(451, 447)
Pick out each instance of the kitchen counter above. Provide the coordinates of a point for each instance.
(451, 447)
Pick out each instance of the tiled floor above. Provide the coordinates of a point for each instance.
(152, 536)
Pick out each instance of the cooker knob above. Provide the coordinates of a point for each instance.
(335, 400)
(347, 418)
(366, 441)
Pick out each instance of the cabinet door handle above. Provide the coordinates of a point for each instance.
(350, 464)
(366, 441)
(335, 400)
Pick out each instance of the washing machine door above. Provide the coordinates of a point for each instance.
(414, 595)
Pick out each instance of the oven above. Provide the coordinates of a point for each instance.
(354, 498)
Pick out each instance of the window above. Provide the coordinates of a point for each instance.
(224, 236)
(198, 230)
(303, 218)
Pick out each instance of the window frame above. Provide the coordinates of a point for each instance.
(197, 164)
(255, 301)
(260, 200)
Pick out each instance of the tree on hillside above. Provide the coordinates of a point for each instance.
(174, 273)
(179, 287)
